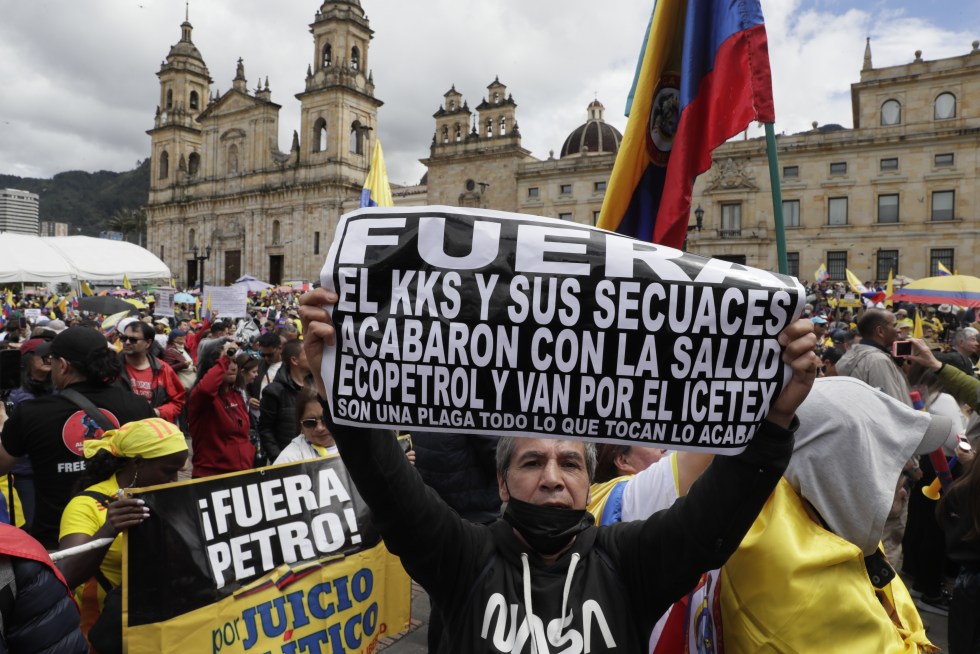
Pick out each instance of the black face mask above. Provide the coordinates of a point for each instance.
(547, 529)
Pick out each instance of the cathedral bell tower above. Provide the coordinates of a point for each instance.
(338, 109)
(185, 85)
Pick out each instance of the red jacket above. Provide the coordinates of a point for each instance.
(193, 338)
(219, 425)
(168, 393)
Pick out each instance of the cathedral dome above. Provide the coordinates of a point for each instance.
(595, 135)
(185, 47)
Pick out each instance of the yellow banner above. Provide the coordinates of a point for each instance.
(333, 605)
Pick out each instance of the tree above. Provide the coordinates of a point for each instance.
(129, 221)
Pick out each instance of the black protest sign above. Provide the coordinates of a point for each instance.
(207, 539)
(484, 322)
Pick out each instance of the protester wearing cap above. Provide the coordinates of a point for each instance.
(53, 429)
(35, 381)
(138, 454)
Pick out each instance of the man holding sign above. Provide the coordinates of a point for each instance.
(545, 576)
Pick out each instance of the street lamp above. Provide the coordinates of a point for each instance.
(201, 258)
(697, 226)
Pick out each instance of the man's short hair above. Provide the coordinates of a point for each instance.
(145, 330)
(871, 320)
(831, 354)
(505, 450)
(269, 339)
(291, 350)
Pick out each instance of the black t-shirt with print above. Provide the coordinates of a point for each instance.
(52, 431)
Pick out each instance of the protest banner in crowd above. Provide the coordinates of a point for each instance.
(164, 305)
(280, 559)
(476, 321)
(228, 301)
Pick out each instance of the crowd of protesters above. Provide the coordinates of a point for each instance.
(224, 395)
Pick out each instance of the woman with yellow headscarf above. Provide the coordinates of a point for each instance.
(138, 454)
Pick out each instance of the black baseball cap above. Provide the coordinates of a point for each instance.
(76, 344)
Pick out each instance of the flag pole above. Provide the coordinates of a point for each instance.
(777, 199)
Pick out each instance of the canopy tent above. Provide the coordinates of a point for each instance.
(69, 258)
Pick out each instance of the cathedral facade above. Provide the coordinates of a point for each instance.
(220, 187)
(897, 192)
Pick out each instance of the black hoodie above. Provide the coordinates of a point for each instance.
(610, 586)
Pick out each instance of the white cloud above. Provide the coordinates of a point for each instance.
(80, 86)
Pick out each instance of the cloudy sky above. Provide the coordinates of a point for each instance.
(79, 83)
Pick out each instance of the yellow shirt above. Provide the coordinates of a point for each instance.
(84, 515)
(793, 586)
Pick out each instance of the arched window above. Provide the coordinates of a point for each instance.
(191, 239)
(170, 99)
(945, 107)
(276, 232)
(355, 58)
(356, 138)
(891, 112)
(445, 134)
(327, 55)
(164, 165)
(194, 101)
(193, 164)
(320, 135)
(489, 128)
(459, 133)
(503, 125)
(233, 159)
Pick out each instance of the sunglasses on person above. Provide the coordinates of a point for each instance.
(130, 339)
(310, 423)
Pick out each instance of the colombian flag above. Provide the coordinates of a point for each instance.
(377, 191)
(821, 274)
(703, 77)
(941, 270)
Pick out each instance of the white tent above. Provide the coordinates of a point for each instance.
(69, 258)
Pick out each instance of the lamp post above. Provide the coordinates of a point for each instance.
(698, 224)
(201, 258)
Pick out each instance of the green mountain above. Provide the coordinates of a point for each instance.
(86, 200)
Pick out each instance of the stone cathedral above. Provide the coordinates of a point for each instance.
(219, 180)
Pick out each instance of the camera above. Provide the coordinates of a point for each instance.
(902, 349)
(231, 352)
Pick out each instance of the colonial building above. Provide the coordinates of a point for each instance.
(897, 192)
(219, 185)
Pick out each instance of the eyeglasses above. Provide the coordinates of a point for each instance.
(310, 423)
(130, 339)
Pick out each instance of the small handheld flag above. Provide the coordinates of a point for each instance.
(86, 289)
(855, 282)
(942, 271)
(126, 283)
(377, 191)
(821, 274)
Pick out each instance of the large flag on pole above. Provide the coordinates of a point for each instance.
(377, 191)
(703, 77)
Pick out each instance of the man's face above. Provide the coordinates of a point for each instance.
(301, 362)
(968, 346)
(133, 342)
(819, 328)
(184, 326)
(271, 354)
(888, 333)
(547, 472)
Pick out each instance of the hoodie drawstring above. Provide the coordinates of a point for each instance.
(542, 648)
